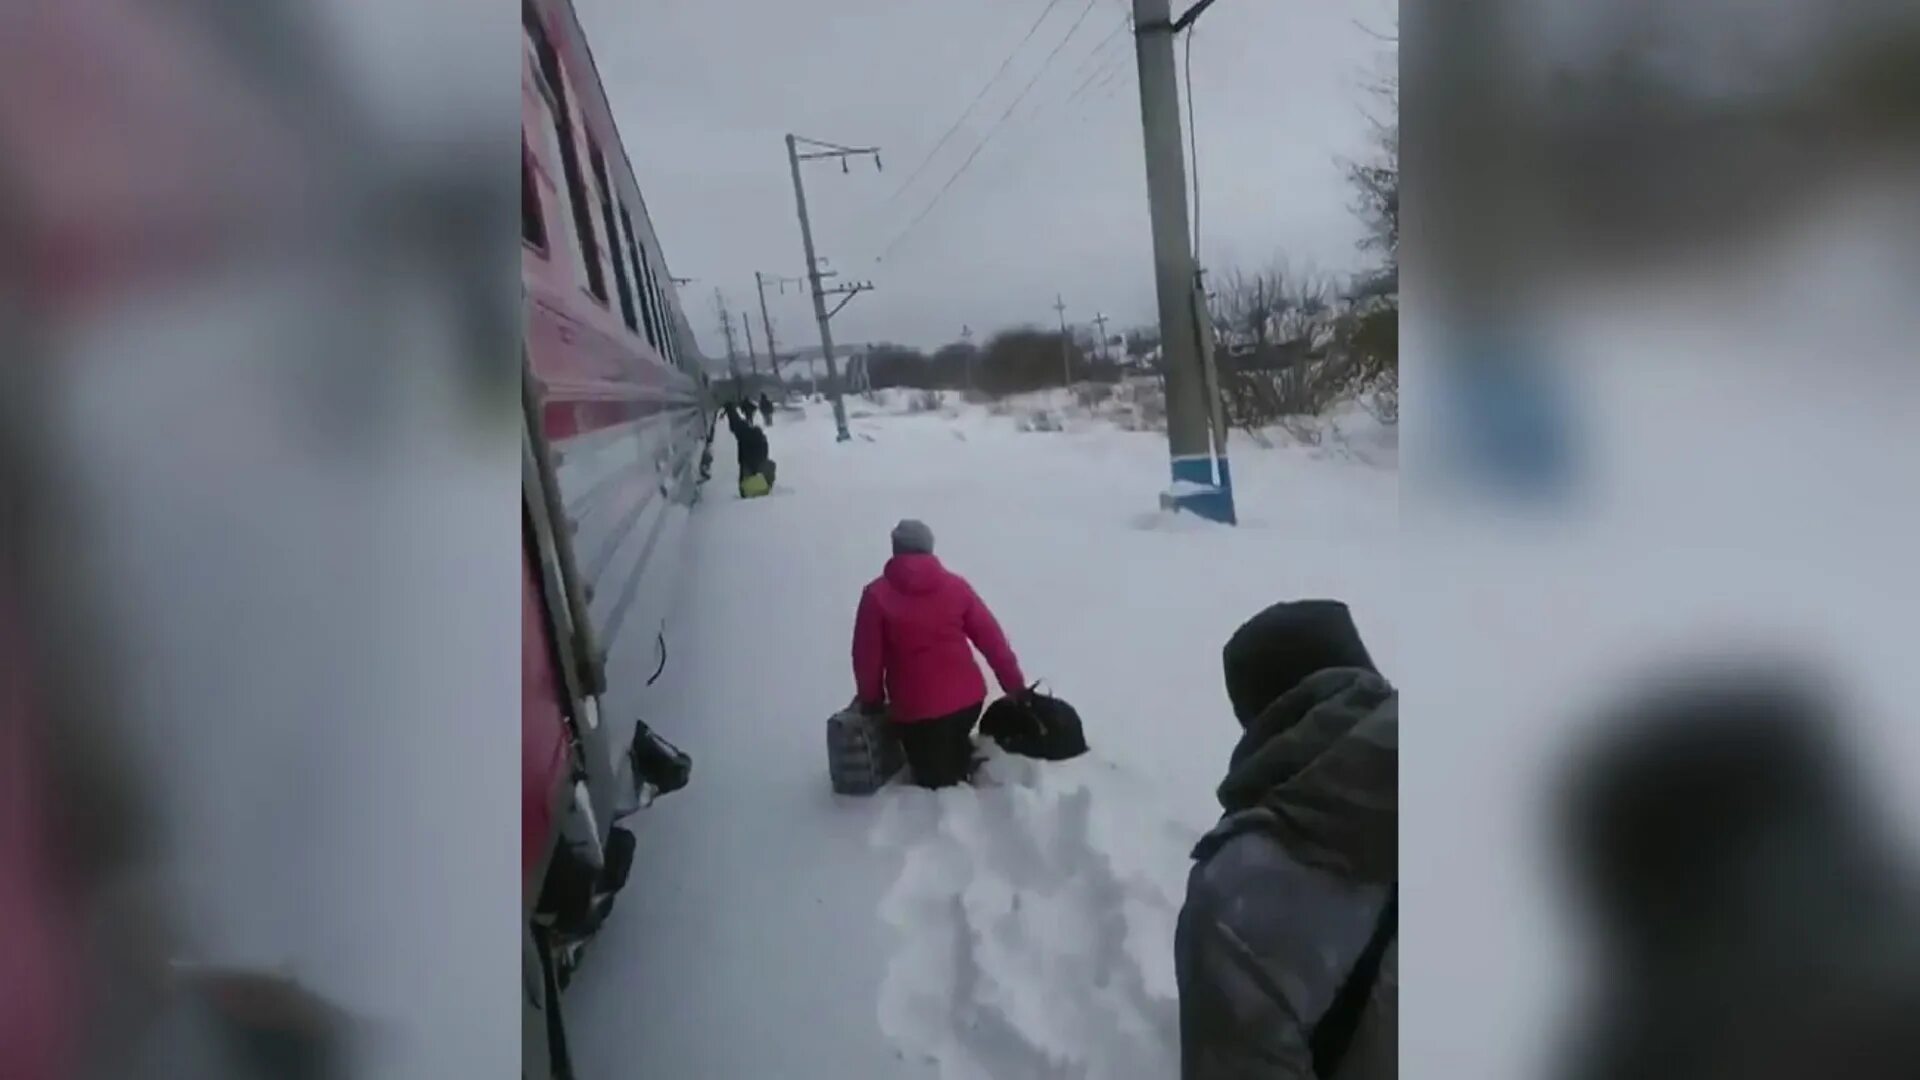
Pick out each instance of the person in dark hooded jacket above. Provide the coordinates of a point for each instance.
(750, 442)
(1286, 949)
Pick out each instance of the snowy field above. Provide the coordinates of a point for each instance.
(1020, 929)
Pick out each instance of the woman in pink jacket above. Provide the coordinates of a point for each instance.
(913, 643)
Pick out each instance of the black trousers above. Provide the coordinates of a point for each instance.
(940, 751)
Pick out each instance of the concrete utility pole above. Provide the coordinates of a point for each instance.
(746, 327)
(1066, 343)
(761, 281)
(966, 338)
(1206, 336)
(726, 330)
(766, 324)
(820, 294)
(1100, 320)
(1202, 479)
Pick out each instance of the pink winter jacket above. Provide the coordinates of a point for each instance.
(913, 642)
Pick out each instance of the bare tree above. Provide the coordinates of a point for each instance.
(1377, 181)
(1274, 306)
(1244, 305)
(1024, 360)
(1279, 322)
(1305, 307)
(1367, 332)
(1376, 177)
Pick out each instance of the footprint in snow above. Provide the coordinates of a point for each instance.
(1015, 941)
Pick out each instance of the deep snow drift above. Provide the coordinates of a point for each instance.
(1020, 929)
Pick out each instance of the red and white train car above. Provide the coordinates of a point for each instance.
(617, 424)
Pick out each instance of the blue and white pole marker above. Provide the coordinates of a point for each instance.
(1196, 490)
(1512, 418)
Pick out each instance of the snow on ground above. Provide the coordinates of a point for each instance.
(1728, 501)
(1019, 929)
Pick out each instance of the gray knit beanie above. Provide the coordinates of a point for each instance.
(912, 537)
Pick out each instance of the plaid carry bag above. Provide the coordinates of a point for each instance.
(862, 752)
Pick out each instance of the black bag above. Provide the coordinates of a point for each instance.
(577, 895)
(1035, 725)
(656, 761)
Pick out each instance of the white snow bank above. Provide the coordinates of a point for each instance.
(1023, 929)
(1182, 489)
(1032, 922)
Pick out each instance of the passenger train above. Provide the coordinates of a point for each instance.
(617, 423)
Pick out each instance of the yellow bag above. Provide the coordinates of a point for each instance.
(754, 486)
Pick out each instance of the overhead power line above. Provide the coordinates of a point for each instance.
(1101, 97)
(1087, 62)
(1087, 68)
(977, 98)
(1059, 105)
(1102, 73)
(1028, 126)
(988, 137)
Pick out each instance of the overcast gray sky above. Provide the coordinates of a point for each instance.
(1056, 202)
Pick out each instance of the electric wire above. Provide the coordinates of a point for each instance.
(988, 137)
(971, 105)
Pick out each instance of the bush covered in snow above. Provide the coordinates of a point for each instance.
(1091, 396)
(1041, 420)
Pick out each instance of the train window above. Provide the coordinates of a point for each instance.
(666, 318)
(656, 315)
(599, 163)
(660, 314)
(556, 208)
(569, 154)
(642, 279)
(667, 348)
(669, 344)
(657, 326)
(533, 223)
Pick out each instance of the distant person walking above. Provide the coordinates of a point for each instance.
(766, 408)
(751, 444)
(913, 641)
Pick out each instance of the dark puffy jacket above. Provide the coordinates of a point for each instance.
(752, 444)
(1287, 963)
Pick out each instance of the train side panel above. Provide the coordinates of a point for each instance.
(616, 368)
